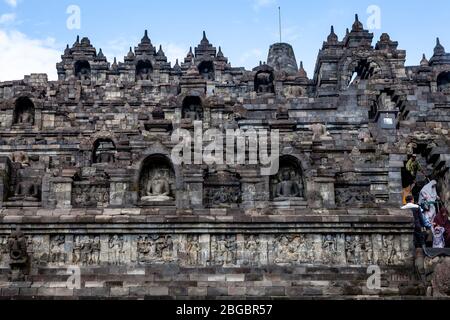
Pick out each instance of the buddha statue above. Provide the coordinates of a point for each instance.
(288, 188)
(157, 189)
(26, 190)
(25, 118)
(264, 83)
(144, 74)
(85, 74)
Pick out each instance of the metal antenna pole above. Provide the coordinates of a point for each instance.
(279, 17)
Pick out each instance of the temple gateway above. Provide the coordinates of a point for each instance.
(88, 180)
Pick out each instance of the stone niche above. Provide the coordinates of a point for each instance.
(192, 108)
(157, 182)
(22, 180)
(82, 70)
(287, 187)
(144, 70)
(24, 112)
(443, 82)
(264, 80)
(104, 152)
(206, 69)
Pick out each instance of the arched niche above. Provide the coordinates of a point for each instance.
(264, 82)
(443, 82)
(206, 69)
(289, 182)
(24, 112)
(192, 108)
(144, 69)
(157, 182)
(104, 151)
(82, 70)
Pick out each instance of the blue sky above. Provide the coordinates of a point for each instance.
(33, 33)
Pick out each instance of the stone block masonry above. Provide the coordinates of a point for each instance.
(86, 172)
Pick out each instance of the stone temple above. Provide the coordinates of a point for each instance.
(87, 173)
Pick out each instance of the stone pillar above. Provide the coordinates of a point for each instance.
(119, 192)
(194, 189)
(62, 191)
(320, 192)
(396, 163)
(255, 190)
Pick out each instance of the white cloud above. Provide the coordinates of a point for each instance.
(22, 55)
(7, 18)
(12, 3)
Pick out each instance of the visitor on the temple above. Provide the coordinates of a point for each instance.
(420, 224)
(413, 167)
(443, 220)
(428, 199)
(438, 236)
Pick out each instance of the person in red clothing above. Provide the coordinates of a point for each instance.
(442, 219)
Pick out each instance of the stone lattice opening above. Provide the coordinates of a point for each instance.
(363, 70)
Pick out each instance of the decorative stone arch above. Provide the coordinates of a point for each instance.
(88, 145)
(364, 67)
(144, 69)
(157, 152)
(24, 111)
(82, 70)
(296, 165)
(207, 70)
(105, 135)
(443, 82)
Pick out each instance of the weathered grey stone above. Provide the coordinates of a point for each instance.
(87, 171)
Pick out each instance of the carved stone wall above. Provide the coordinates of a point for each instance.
(86, 168)
(225, 250)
